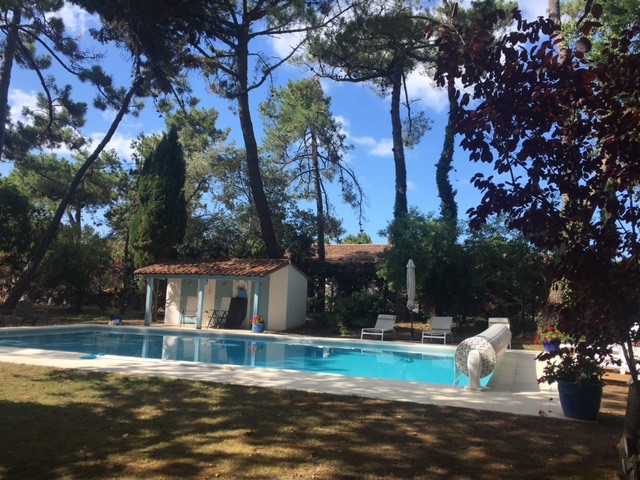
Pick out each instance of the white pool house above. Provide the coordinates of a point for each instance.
(275, 289)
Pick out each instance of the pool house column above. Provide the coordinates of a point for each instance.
(149, 301)
(256, 297)
(199, 309)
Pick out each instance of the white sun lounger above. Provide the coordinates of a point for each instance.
(440, 328)
(384, 323)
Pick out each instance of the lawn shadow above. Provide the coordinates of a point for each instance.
(77, 425)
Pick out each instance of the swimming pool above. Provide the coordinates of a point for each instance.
(353, 358)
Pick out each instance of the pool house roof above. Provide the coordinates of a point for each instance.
(354, 253)
(222, 268)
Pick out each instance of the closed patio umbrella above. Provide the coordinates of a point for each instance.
(411, 289)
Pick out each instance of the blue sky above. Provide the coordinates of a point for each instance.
(363, 114)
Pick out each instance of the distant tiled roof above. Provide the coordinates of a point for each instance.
(221, 268)
(354, 253)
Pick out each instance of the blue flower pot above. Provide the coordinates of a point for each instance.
(551, 346)
(258, 327)
(580, 400)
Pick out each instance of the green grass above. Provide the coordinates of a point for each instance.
(65, 424)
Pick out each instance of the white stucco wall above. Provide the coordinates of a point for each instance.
(277, 316)
(287, 299)
(296, 298)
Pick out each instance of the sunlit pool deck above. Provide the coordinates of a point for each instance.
(513, 388)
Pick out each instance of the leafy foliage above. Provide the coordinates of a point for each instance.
(305, 139)
(218, 38)
(159, 225)
(359, 309)
(36, 39)
(454, 16)
(549, 334)
(562, 135)
(379, 44)
(74, 268)
(361, 238)
(430, 244)
(45, 179)
(560, 130)
(489, 274)
(17, 234)
(573, 364)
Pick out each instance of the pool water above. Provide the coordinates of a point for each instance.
(415, 363)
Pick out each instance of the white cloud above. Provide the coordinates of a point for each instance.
(382, 148)
(342, 121)
(378, 148)
(432, 97)
(411, 185)
(75, 19)
(18, 99)
(285, 45)
(366, 141)
(532, 9)
(119, 143)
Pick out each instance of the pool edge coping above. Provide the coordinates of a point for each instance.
(524, 397)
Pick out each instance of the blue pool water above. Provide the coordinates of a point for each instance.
(360, 359)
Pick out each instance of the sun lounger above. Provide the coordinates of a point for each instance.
(8, 318)
(440, 329)
(188, 317)
(618, 354)
(384, 323)
(237, 313)
(27, 314)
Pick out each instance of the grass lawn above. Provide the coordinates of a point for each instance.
(64, 424)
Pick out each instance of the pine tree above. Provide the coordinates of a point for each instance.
(159, 225)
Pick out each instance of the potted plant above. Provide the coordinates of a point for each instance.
(116, 317)
(550, 338)
(258, 324)
(578, 374)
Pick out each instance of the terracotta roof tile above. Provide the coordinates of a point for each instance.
(354, 253)
(221, 268)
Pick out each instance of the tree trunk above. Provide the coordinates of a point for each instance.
(554, 11)
(629, 446)
(125, 276)
(30, 271)
(253, 159)
(5, 72)
(78, 222)
(630, 441)
(448, 207)
(554, 15)
(320, 209)
(400, 207)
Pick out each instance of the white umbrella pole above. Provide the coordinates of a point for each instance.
(411, 290)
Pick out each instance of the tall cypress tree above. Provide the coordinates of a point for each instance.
(159, 225)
